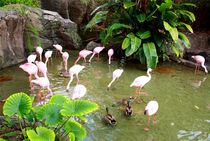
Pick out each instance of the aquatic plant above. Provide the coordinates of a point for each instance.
(54, 116)
(148, 30)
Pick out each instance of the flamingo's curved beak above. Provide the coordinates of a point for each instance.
(145, 112)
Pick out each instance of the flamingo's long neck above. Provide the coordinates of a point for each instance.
(77, 60)
(111, 82)
(109, 60)
(71, 79)
(202, 64)
(92, 56)
(46, 61)
(149, 75)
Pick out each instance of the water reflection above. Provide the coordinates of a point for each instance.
(193, 135)
(197, 83)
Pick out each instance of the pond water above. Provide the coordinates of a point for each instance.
(184, 99)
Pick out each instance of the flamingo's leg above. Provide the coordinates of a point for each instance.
(77, 78)
(196, 67)
(84, 61)
(155, 122)
(40, 91)
(98, 57)
(146, 129)
(140, 100)
(199, 66)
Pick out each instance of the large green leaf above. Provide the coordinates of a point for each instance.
(187, 4)
(135, 44)
(151, 55)
(172, 30)
(175, 50)
(144, 35)
(95, 19)
(78, 108)
(184, 39)
(126, 43)
(118, 39)
(31, 116)
(129, 4)
(116, 26)
(187, 26)
(76, 128)
(189, 14)
(58, 99)
(141, 55)
(164, 6)
(50, 112)
(41, 134)
(141, 17)
(103, 6)
(19, 103)
(170, 15)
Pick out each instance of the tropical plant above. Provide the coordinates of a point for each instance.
(55, 116)
(32, 3)
(147, 29)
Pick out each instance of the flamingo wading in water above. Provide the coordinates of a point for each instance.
(140, 81)
(116, 74)
(31, 58)
(110, 53)
(79, 91)
(65, 56)
(200, 61)
(151, 109)
(47, 55)
(58, 48)
(31, 69)
(74, 70)
(41, 67)
(96, 50)
(83, 53)
(39, 51)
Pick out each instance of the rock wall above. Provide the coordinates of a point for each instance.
(22, 28)
(74, 10)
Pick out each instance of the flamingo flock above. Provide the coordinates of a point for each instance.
(33, 67)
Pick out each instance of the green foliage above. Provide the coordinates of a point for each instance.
(50, 112)
(41, 134)
(78, 108)
(10, 134)
(75, 129)
(8, 122)
(19, 103)
(147, 32)
(31, 3)
(55, 116)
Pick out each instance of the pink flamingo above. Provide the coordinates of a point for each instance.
(31, 58)
(74, 70)
(83, 53)
(31, 69)
(96, 50)
(151, 109)
(42, 67)
(110, 53)
(43, 82)
(79, 91)
(65, 56)
(58, 48)
(200, 61)
(140, 81)
(47, 55)
(116, 74)
(39, 51)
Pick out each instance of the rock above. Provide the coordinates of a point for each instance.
(91, 45)
(22, 28)
(68, 9)
(77, 10)
(200, 45)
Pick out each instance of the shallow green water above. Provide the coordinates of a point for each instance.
(177, 92)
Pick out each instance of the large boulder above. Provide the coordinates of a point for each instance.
(22, 28)
(68, 9)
